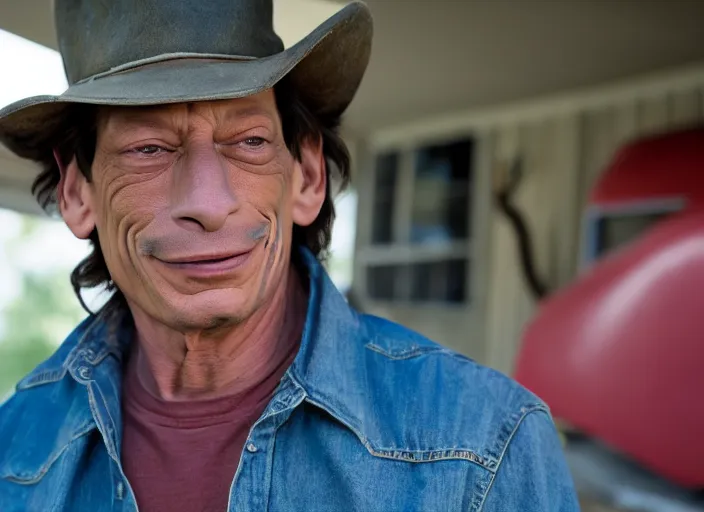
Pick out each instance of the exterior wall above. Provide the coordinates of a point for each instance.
(564, 143)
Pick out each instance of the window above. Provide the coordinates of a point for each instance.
(384, 185)
(419, 245)
(617, 226)
(441, 193)
(618, 230)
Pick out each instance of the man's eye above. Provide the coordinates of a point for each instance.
(254, 142)
(149, 150)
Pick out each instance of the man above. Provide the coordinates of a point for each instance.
(226, 372)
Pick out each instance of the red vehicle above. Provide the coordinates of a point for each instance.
(619, 354)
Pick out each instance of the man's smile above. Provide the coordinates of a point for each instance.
(208, 265)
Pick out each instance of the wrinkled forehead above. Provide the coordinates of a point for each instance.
(259, 107)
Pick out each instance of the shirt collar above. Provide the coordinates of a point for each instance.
(329, 365)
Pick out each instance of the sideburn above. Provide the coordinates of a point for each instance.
(274, 246)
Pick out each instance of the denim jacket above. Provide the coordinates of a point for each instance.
(369, 417)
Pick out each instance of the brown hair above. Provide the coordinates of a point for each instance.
(77, 136)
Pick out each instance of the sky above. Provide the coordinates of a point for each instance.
(29, 69)
(56, 247)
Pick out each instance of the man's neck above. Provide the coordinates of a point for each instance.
(203, 365)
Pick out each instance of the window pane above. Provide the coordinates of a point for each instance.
(421, 277)
(441, 199)
(386, 173)
(617, 230)
(442, 281)
(381, 281)
(457, 281)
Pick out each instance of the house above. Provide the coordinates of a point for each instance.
(456, 92)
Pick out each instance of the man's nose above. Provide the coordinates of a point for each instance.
(203, 196)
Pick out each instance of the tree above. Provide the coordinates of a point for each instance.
(35, 321)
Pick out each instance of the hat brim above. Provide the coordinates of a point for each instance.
(326, 68)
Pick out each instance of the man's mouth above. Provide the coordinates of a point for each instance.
(208, 265)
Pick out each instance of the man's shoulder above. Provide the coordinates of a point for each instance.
(437, 402)
(439, 370)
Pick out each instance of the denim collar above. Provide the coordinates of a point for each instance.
(329, 365)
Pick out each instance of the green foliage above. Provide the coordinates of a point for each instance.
(37, 320)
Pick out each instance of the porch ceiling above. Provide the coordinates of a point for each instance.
(432, 56)
(436, 56)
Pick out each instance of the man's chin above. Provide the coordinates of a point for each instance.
(204, 321)
(207, 311)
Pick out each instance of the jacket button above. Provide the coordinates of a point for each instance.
(251, 448)
(84, 372)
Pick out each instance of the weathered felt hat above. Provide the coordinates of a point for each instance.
(152, 52)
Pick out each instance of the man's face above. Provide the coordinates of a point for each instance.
(195, 204)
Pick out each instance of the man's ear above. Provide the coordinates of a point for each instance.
(74, 198)
(310, 183)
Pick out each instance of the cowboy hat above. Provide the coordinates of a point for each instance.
(153, 52)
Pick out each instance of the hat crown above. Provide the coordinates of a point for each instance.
(96, 36)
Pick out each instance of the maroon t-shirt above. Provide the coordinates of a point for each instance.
(182, 456)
